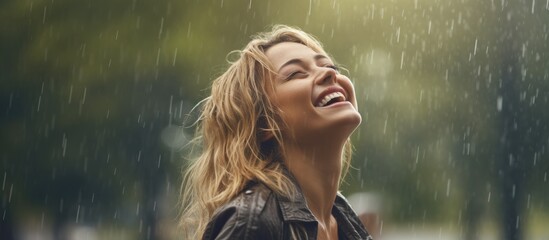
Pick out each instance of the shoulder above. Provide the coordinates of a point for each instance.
(253, 214)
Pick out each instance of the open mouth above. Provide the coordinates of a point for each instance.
(330, 99)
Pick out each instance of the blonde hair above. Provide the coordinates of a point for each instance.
(232, 126)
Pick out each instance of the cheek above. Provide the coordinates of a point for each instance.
(348, 85)
(292, 93)
(293, 101)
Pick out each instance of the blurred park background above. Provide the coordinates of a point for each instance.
(94, 97)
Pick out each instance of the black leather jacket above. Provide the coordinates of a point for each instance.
(259, 213)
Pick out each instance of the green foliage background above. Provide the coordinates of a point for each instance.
(88, 87)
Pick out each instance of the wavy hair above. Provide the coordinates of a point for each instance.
(234, 121)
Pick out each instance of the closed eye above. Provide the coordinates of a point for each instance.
(334, 67)
(296, 74)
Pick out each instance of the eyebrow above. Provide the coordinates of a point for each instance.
(299, 61)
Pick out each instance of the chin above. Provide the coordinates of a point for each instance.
(353, 122)
(344, 125)
(349, 117)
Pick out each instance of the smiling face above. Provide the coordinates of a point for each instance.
(317, 102)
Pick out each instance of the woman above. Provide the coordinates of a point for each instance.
(274, 137)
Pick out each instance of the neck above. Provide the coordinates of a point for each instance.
(317, 170)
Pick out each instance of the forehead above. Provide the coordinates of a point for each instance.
(285, 51)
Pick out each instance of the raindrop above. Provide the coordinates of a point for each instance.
(402, 60)
(180, 108)
(385, 125)
(517, 222)
(174, 57)
(77, 213)
(499, 103)
(381, 227)
(161, 27)
(11, 191)
(170, 108)
(440, 233)
(417, 155)
(70, 94)
(448, 186)
(84, 95)
(476, 44)
(64, 145)
(157, 56)
(44, 16)
(189, 30)
(39, 102)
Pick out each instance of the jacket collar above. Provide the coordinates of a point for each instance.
(296, 209)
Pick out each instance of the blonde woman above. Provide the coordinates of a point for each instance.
(274, 140)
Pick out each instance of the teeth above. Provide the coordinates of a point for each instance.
(329, 97)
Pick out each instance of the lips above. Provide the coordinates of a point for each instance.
(329, 96)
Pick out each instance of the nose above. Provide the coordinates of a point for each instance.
(327, 76)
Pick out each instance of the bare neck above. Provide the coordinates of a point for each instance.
(317, 170)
